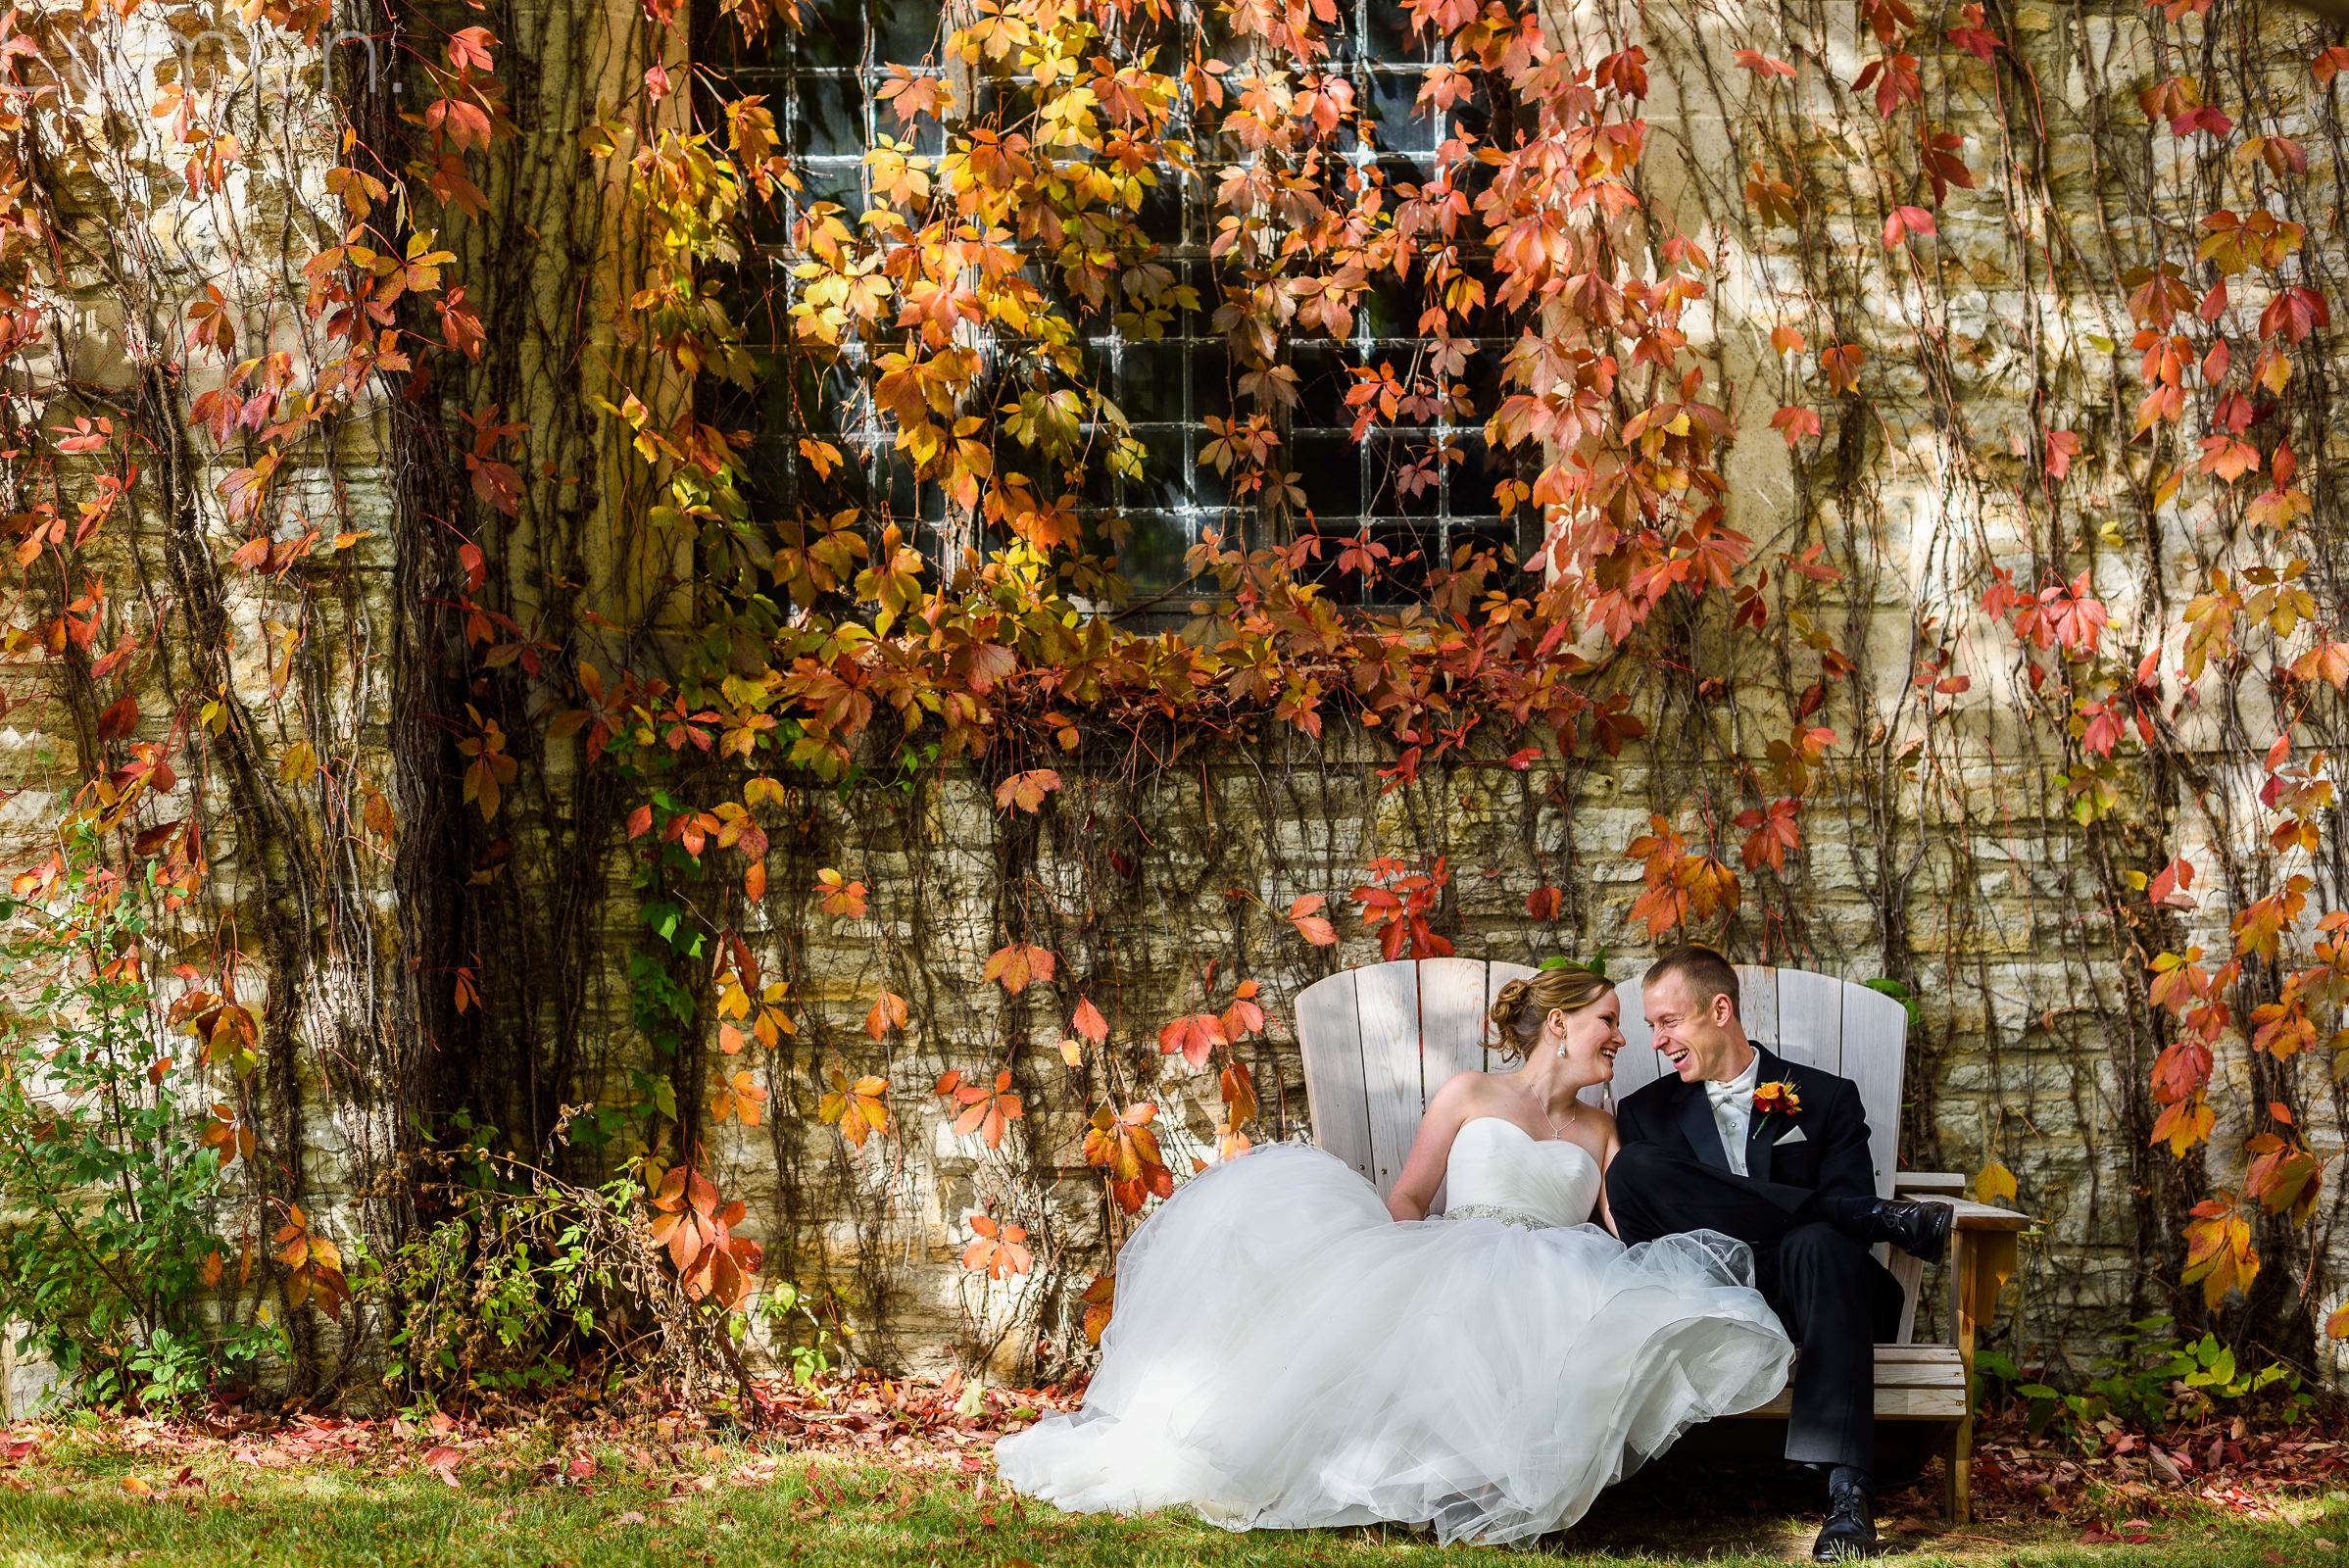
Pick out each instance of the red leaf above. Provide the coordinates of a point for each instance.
(1794, 424)
(118, 720)
(1194, 1035)
(1305, 914)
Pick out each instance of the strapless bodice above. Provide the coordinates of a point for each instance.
(1499, 1170)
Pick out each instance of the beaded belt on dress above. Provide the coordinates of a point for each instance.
(1498, 1212)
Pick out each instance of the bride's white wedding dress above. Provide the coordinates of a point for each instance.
(1285, 1354)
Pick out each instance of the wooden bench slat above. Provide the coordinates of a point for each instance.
(1330, 1035)
(1876, 1031)
(1758, 1003)
(1810, 1019)
(1891, 1404)
(1386, 1003)
(1913, 1383)
(1452, 1020)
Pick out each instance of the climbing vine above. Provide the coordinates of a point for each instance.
(471, 697)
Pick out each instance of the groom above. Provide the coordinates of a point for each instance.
(1775, 1154)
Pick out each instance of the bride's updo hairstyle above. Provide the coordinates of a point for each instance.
(1523, 1005)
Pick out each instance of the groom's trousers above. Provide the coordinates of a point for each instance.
(1835, 1301)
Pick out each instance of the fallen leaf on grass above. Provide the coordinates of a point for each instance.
(631, 1517)
(137, 1488)
(442, 1463)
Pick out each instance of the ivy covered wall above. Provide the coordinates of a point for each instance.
(1976, 714)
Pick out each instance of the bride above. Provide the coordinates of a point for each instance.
(1288, 1353)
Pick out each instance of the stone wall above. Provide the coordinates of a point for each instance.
(1941, 852)
(1217, 843)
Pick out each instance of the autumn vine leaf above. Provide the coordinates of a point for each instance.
(1017, 964)
(228, 1134)
(1000, 1252)
(1122, 1145)
(1243, 1017)
(1994, 1184)
(736, 1097)
(490, 769)
(1304, 913)
(860, 1108)
(314, 1264)
(989, 1112)
(1195, 1037)
(1681, 887)
(839, 896)
(1101, 1299)
(1396, 902)
(1027, 789)
(1762, 64)
(1770, 835)
(711, 1263)
(1905, 222)
(2220, 1256)
(887, 1012)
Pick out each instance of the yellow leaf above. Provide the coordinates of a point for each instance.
(1993, 1183)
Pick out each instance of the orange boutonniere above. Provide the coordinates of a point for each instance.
(1777, 1096)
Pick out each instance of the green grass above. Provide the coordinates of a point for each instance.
(68, 1504)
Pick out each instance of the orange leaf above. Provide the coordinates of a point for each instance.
(1027, 789)
(1017, 964)
(1305, 914)
(889, 1013)
(1194, 1035)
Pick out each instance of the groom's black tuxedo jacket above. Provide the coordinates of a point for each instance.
(1830, 1157)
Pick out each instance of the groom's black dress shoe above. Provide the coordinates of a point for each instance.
(1850, 1530)
(1919, 1229)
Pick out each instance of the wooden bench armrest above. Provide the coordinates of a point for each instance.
(1983, 1247)
(1950, 1188)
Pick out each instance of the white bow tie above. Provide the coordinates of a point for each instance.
(1722, 1094)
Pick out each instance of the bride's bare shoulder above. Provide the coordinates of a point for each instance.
(1462, 1088)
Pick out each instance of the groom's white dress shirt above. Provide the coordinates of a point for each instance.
(1733, 1110)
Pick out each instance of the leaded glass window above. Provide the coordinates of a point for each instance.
(822, 83)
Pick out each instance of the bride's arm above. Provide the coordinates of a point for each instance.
(1606, 1215)
(1431, 1149)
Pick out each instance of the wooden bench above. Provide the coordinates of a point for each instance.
(1379, 1041)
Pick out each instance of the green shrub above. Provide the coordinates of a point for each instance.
(2153, 1379)
(111, 1190)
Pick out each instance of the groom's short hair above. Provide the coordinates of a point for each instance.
(1708, 974)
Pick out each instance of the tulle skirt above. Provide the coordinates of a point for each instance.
(1285, 1355)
